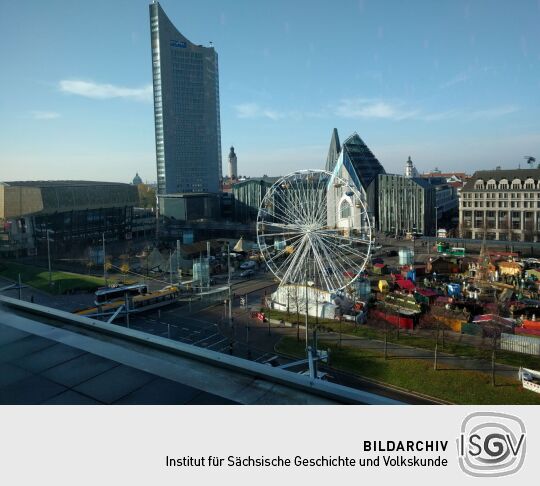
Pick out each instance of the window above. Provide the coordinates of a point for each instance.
(345, 209)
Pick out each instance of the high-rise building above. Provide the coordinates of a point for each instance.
(186, 110)
(233, 165)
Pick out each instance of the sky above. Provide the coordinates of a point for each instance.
(453, 84)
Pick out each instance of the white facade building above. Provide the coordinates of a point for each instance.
(503, 204)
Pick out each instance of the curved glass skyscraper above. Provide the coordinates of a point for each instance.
(186, 110)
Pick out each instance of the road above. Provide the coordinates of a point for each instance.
(210, 328)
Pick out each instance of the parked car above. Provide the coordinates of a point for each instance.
(247, 273)
(248, 265)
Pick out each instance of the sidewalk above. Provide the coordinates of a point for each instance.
(62, 302)
(396, 351)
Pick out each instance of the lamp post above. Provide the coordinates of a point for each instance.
(104, 261)
(229, 281)
(49, 257)
(436, 220)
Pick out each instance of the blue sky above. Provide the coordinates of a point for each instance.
(454, 84)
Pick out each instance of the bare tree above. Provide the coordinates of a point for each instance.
(296, 297)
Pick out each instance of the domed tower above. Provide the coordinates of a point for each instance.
(233, 165)
(137, 180)
(410, 169)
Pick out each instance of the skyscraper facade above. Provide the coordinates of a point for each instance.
(186, 110)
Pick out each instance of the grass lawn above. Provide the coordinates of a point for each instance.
(38, 278)
(415, 341)
(456, 386)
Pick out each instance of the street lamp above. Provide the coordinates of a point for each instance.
(229, 281)
(104, 261)
(49, 256)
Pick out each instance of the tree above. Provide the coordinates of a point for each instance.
(147, 196)
(296, 297)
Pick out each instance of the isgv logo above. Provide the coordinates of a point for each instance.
(491, 444)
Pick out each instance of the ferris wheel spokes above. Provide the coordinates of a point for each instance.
(294, 237)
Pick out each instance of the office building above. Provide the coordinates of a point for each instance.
(406, 205)
(75, 213)
(501, 205)
(186, 110)
(248, 195)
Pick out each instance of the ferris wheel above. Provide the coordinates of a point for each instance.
(313, 228)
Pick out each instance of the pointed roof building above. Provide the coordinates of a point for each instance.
(358, 158)
(355, 161)
(333, 151)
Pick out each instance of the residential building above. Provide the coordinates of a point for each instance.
(501, 205)
(446, 197)
(449, 176)
(186, 110)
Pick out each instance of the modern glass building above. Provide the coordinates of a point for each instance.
(76, 213)
(186, 110)
(406, 204)
(354, 162)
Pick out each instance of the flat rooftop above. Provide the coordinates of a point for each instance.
(36, 370)
(49, 356)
